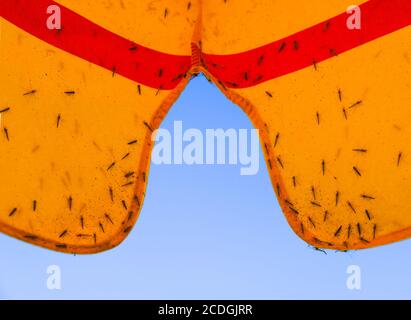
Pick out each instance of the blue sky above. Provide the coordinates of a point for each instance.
(206, 232)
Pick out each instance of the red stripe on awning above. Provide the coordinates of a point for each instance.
(89, 41)
(308, 47)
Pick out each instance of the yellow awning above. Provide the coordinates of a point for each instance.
(326, 84)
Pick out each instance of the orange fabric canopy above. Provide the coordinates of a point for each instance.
(79, 103)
